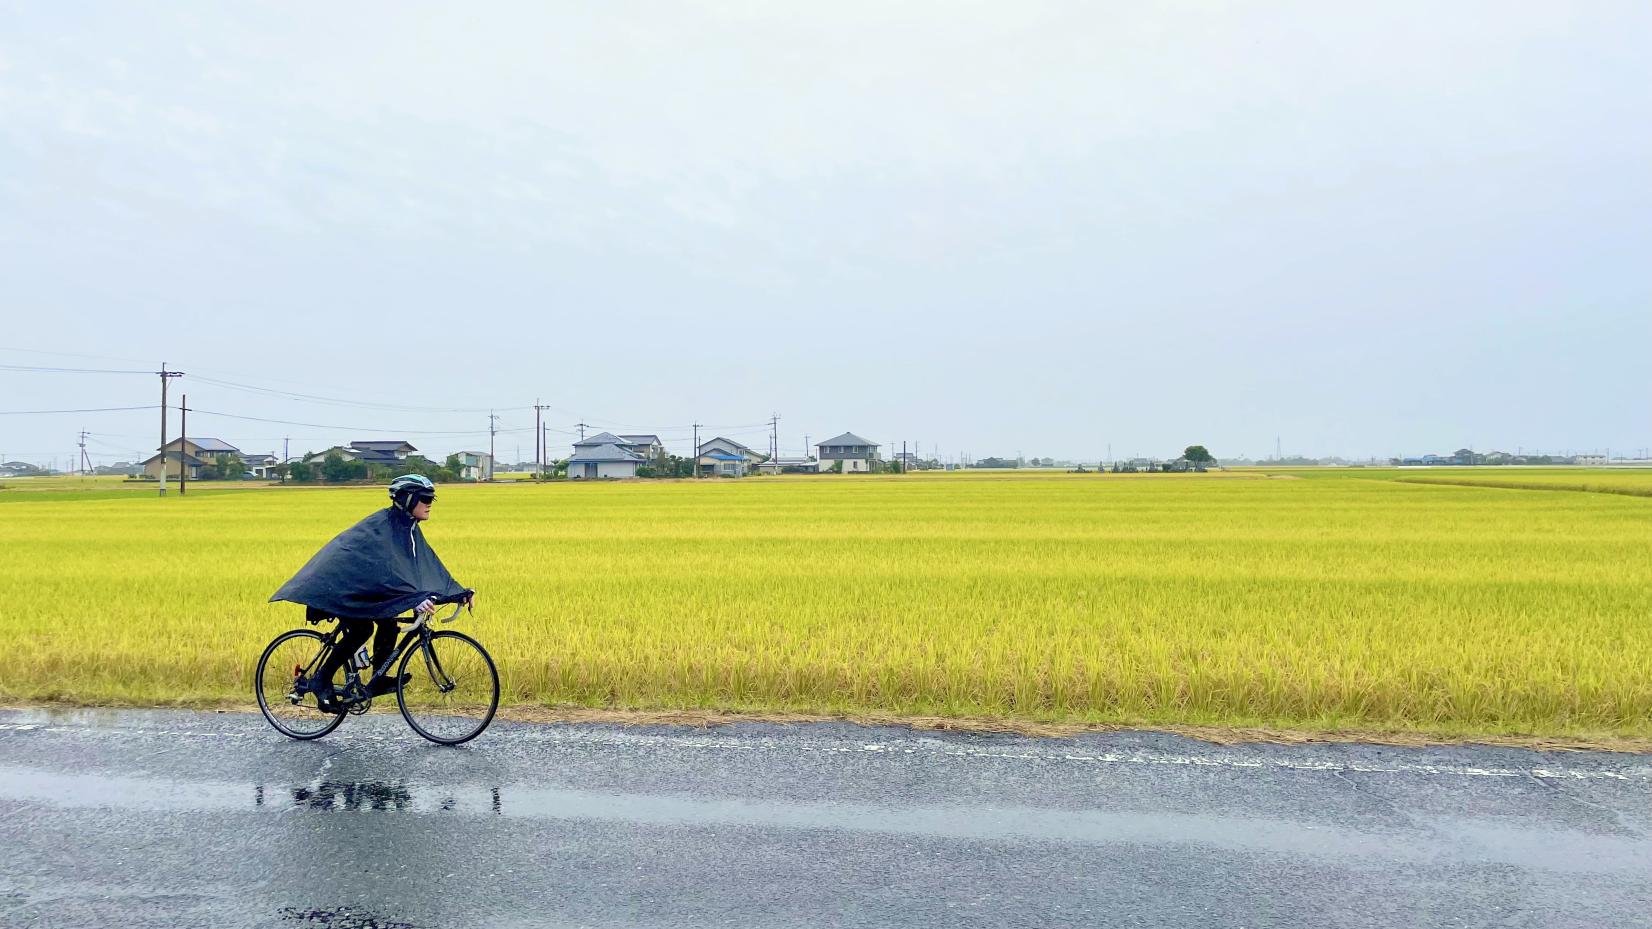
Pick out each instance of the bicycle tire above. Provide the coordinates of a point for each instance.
(285, 712)
(429, 708)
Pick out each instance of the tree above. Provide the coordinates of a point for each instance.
(300, 472)
(335, 470)
(228, 468)
(1198, 454)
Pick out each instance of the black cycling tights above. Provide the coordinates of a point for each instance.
(353, 633)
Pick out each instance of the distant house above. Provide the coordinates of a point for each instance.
(721, 457)
(1182, 464)
(19, 469)
(850, 451)
(604, 455)
(343, 451)
(191, 454)
(475, 466)
(804, 465)
(263, 467)
(386, 452)
(648, 447)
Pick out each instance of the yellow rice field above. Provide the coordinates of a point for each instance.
(1338, 600)
(1634, 482)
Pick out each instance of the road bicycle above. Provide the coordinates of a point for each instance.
(447, 686)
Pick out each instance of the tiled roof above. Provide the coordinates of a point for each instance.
(605, 452)
(849, 438)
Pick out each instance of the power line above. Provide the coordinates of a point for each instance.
(289, 422)
(339, 401)
(40, 370)
(101, 409)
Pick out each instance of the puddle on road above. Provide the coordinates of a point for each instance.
(341, 918)
(1457, 841)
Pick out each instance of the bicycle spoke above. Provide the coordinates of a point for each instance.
(284, 686)
(451, 691)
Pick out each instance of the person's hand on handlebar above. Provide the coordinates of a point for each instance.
(425, 607)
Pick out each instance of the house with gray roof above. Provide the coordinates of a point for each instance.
(385, 452)
(602, 456)
(647, 445)
(722, 457)
(848, 453)
(192, 454)
(640, 452)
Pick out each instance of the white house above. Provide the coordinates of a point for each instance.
(647, 447)
(604, 455)
(262, 467)
(722, 457)
(476, 466)
(847, 453)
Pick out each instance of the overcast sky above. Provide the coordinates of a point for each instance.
(1368, 229)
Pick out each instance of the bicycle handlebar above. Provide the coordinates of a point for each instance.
(459, 602)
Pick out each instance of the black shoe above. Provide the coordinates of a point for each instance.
(326, 698)
(385, 685)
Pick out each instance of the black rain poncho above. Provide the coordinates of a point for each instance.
(376, 569)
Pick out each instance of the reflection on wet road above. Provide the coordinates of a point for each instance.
(169, 819)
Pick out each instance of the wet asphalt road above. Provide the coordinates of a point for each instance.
(177, 819)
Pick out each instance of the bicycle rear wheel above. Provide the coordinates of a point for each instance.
(450, 690)
(279, 684)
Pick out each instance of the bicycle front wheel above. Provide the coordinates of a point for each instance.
(449, 688)
(282, 685)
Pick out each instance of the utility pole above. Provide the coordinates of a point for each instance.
(183, 439)
(286, 455)
(165, 375)
(1276, 453)
(774, 436)
(493, 428)
(903, 456)
(538, 441)
(582, 426)
(85, 463)
(694, 468)
(806, 454)
(545, 443)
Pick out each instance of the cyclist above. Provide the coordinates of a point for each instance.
(368, 575)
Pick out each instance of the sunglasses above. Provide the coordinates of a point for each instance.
(426, 500)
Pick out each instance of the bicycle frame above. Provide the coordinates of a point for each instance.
(419, 629)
